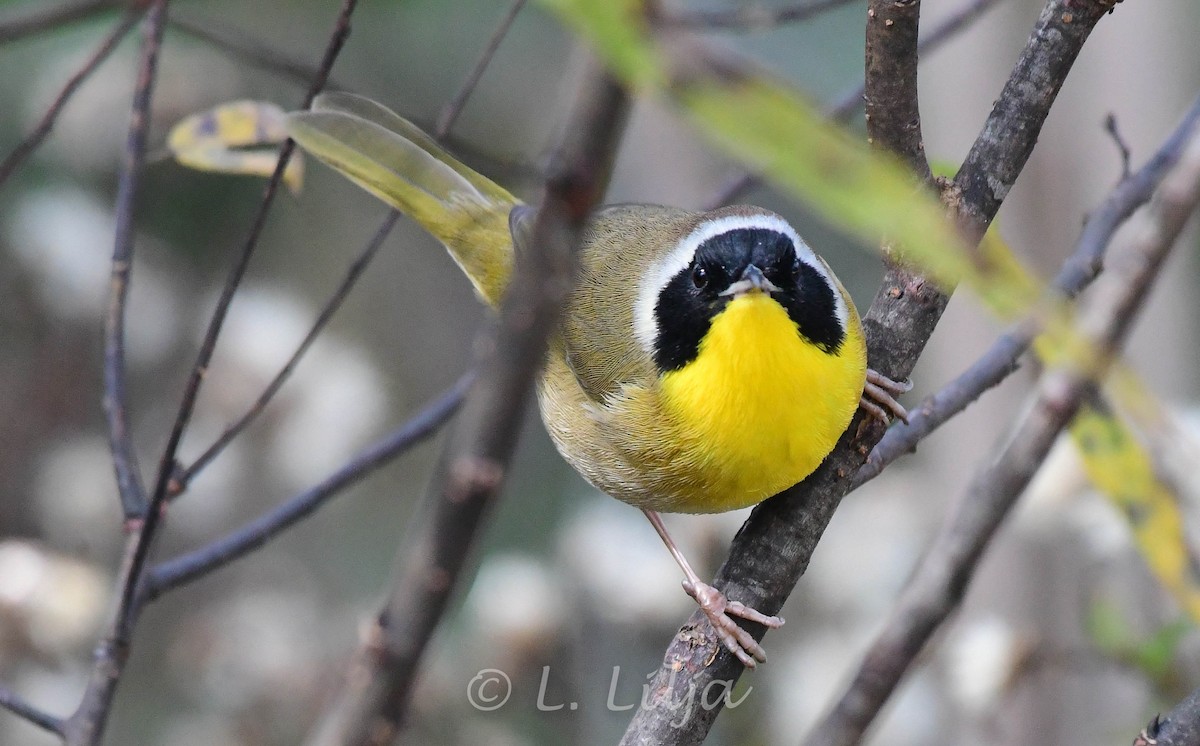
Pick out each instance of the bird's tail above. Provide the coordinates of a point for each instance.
(390, 157)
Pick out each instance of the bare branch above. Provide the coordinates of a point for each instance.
(181, 570)
(749, 17)
(54, 18)
(1077, 273)
(892, 112)
(375, 700)
(46, 123)
(1012, 129)
(168, 468)
(183, 477)
(450, 112)
(849, 103)
(938, 585)
(129, 479)
(248, 49)
(12, 702)
(86, 726)
(773, 548)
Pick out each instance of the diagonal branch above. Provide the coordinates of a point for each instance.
(86, 726)
(940, 581)
(1010, 132)
(374, 702)
(772, 550)
(184, 569)
(183, 477)
(12, 702)
(449, 113)
(247, 48)
(1077, 273)
(750, 17)
(847, 104)
(54, 18)
(42, 130)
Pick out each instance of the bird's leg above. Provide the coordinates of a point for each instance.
(879, 397)
(717, 608)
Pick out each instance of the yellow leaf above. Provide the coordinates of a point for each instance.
(240, 137)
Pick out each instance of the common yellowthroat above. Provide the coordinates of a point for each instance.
(705, 361)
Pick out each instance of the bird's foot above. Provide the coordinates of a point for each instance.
(720, 611)
(879, 397)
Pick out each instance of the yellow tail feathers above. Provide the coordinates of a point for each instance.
(394, 160)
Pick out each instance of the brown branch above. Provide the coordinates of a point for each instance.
(186, 568)
(892, 112)
(44, 126)
(772, 550)
(54, 18)
(848, 103)
(749, 17)
(15, 704)
(85, 726)
(940, 581)
(1011, 130)
(450, 112)
(1077, 273)
(375, 699)
(130, 488)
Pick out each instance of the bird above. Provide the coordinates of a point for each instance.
(705, 360)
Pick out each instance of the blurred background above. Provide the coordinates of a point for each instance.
(1065, 636)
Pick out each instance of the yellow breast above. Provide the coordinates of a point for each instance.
(759, 407)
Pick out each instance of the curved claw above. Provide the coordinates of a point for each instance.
(719, 611)
(879, 397)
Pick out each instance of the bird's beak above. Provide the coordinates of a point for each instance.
(752, 280)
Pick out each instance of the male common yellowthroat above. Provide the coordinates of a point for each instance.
(705, 361)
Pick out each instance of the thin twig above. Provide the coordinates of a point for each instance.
(85, 727)
(749, 17)
(53, 18)
(184, 476)
(850, 102)
(167, 468)
(772, 550)
(450, 111)
(18, 706)
(374, 701)
(940, 581)
(129, 479)
(181, 570)
(248, 49)
(46, 123)
(1077, 273)
(1110, 126)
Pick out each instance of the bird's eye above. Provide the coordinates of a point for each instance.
(700, 277)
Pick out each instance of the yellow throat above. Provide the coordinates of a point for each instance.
(760, 406)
